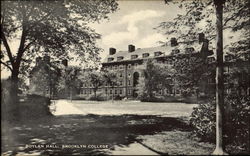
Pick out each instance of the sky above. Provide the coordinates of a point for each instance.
(133, 24)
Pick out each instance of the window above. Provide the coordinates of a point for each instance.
(110, 59)
(129, 66)
(121, 83)
(158, 53)
(121, 91)
(134, 56)
(129, 92)
(106, 91)
(121, 66)
(189, 50)
(129, 83)
(111, 92)
(175, 51)
(115, 92)
(129, 75)
(177, 91)
(170, 62)
(226, 69)
(145, 55)
(115, 66)
(119, 58)
(121, 75)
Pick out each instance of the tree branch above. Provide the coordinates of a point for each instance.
(28, 45)
(43, 18)
(6, 65)
(7, 47)
(235, 15)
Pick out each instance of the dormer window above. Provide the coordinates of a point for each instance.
(158, 53)
(175, 51)
(110, 59)
(119, 58)
(145, 55)
(189, 50)
(134, 56)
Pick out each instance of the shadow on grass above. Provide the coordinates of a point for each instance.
(83, 130)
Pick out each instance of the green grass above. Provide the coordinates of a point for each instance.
(90, 129)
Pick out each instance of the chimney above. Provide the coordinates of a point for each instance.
(131, 48)
(65, 62)
(38, 60)
(201, 37)
(112, 51)
(173, 42)
(46, 58)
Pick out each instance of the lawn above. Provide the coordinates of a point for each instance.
(104, 133)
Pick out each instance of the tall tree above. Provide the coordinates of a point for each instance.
(57, 28)
(95, 78)
(199, 16)
(111, 79)
(69, 80)
(155, 77)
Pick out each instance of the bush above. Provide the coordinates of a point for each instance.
(35, 106)
(99, 97)
(203, 120)
(235, 123)
(78, 97)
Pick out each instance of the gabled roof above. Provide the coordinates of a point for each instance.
(165, 50)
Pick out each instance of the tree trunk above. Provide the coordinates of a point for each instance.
(95, 94)
(71, 94)
(14, 99)
(219, 78)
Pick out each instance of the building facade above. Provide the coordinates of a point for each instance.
(128, 64)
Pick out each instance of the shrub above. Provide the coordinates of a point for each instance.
(99, 97)
(203, 120)
(35, 106)
(235, 123)
(78, 97)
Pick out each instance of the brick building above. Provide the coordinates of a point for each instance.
(128, 64)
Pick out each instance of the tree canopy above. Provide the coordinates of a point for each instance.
(199, 16)
(58, 28)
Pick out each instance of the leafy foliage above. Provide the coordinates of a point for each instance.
(57, 28)
(155, 77)
(110, 78)
(236, 123)
(190, 72)
(69, 80)
(95, 79)
(199, 16)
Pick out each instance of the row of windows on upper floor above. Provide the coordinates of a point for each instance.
(158, 53)
(130, 91)
(121, 66)
(170, 62)
(118, 83)
(228, 58)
